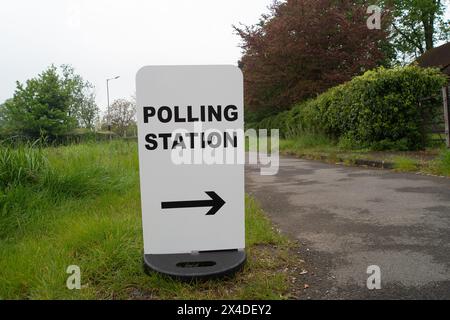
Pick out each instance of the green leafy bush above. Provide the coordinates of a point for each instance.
(379, 109)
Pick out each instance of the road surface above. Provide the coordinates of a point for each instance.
(347, 219)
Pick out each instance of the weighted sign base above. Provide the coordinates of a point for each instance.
(203, 265)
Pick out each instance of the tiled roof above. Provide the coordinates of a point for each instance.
(437, 57)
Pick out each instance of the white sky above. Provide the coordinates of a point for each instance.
(105, 38)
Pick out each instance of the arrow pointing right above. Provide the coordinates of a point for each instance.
(216, 203)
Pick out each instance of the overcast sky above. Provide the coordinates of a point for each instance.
(105, 38)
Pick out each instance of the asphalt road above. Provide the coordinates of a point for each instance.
(347, 219)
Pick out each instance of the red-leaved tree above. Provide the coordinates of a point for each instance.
(303, 47)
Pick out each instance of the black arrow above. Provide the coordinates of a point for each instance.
(216, 203)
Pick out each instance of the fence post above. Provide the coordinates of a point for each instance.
(446, 96)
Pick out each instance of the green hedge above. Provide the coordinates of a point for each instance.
(378, 109)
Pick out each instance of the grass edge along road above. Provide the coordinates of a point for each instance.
(434, 161)
(80, 205)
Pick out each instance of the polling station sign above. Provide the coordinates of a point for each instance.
(190, 135)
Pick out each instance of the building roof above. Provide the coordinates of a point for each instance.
(438, 57)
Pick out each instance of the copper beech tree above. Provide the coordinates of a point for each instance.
(303, 47)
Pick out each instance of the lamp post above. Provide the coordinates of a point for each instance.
(107, 93)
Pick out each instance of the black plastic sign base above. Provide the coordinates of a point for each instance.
(203, 265)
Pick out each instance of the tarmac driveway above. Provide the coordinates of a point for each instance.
(347, 219)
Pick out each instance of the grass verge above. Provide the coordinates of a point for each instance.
(83, 208)
(435, 161)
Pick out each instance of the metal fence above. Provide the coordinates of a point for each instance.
(446, 103)
(435, 115)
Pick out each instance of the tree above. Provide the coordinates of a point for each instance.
(40, 107)
(88, 112)
(417, 26)
(2, 120)
(82, 105)
(303, 47)
(48, 105)
(121, 116)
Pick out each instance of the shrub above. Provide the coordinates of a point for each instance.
(379, 109)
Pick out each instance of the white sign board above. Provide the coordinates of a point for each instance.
(190, 203)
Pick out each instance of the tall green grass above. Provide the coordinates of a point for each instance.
(441, 165)
(33, 180)
(307, 141)
(20, 165)
(405, 164)
(83, 209)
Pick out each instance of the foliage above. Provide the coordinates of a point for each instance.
(417, 25)
(82, 98)
(379, 109)
(49, 105)
(303, 47)
(87, 112)
(121, 116)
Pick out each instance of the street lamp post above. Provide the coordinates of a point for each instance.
(107, 93)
